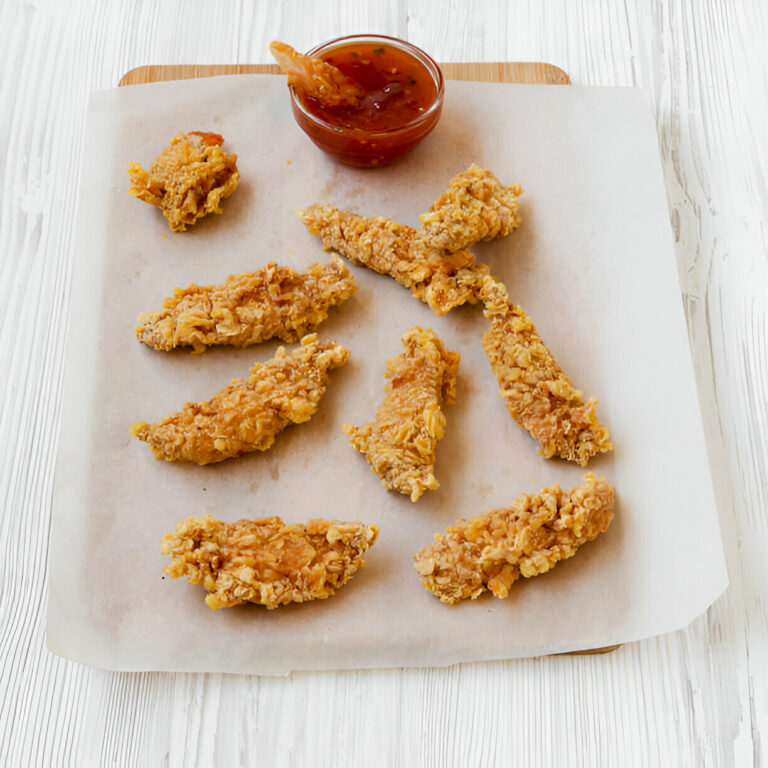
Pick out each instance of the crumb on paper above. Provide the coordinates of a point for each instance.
(539, 396)
(492, 550)
(246, 415)
(265, 561)
(401, 444)
(189, 179)
(272, 302)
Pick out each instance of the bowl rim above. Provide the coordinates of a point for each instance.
(430, 64)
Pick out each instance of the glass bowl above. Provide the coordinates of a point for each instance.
(387, 137)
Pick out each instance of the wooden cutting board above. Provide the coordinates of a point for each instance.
(494, 72)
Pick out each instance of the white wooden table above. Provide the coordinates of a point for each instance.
(698, 697)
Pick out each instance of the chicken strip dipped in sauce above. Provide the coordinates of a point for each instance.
(314, 77)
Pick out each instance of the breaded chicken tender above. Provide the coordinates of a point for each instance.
(247, 414)
(477, 206)
(491, 551)
(314, 77)
(188, 180)
(400, 445)
(539, 396)
(440, 279)
(265, 561)
(248, 308)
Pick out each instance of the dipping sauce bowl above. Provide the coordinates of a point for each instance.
(402, 102)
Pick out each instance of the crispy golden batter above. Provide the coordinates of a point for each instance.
(265, 561)
(400, 445)
(492, 550)
(314, 77)
(440, 279)
(477, 206)
(248, 308)
(188, 180)
(539, 396)
(247, 415)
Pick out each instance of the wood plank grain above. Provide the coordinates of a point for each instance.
(495, 72)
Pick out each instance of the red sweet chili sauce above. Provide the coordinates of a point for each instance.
(400, 106)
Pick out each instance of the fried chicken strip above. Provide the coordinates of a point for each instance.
(539, 396)
(400, 445)
(440, 279)
(314, 77)
(491, 551)
(265, 561)
(248, 308)
(477, 206)
(247, 414)
(189, 179)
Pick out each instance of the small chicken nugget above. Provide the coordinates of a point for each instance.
(188, 180)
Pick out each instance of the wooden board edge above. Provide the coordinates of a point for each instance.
(591, 651)
(495, 72)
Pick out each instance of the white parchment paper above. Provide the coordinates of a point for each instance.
(592, 263)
